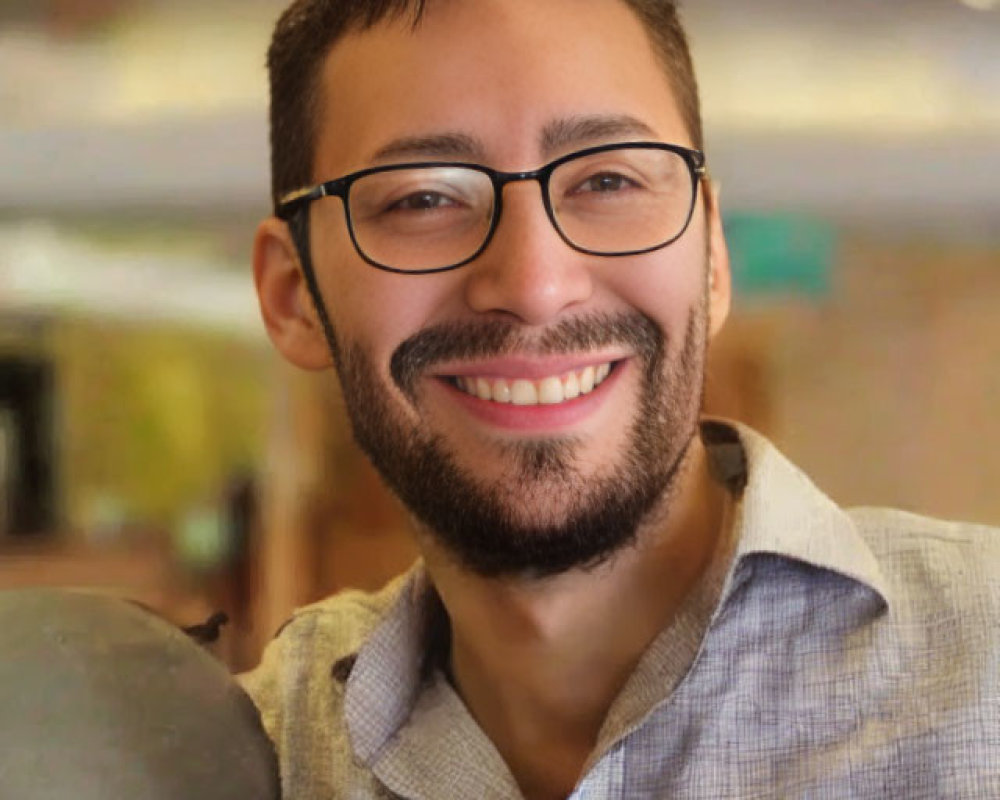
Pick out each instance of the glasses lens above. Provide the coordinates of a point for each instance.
(421, 218)
(622, 200)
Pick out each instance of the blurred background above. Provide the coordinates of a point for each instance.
(152, 445)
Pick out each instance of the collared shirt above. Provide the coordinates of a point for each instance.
(834, 654)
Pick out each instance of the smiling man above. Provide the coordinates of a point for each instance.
(493, 218)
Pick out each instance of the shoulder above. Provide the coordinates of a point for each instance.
(298, 688)
(339, 624)
(931, 561)
(306, 651)
(891, 532)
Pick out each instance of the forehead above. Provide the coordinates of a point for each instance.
(499, 72)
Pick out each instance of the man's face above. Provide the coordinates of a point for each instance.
(507, 487)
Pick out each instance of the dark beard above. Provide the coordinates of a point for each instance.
(490, 529)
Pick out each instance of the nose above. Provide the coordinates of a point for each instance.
(527, 271)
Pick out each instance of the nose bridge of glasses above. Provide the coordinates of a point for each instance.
(539, 176)
(502, 179)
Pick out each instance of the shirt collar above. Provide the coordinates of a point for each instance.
(387, 676)
(781, 512)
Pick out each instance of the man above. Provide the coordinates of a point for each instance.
(494, 219)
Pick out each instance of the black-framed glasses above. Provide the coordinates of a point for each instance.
(614, 200)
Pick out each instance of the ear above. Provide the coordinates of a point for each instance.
(720, 280)
(288, 311)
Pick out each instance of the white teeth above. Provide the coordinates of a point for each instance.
(523, 393)
(548, 391)
(571, 388)
(501, 391)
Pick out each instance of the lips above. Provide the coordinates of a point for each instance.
(545, 391)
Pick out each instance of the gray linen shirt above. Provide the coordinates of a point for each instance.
(830, 653)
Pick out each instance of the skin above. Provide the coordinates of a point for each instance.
(538, 662)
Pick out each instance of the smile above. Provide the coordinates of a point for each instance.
(548, 391)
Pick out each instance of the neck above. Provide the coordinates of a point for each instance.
(539, 662)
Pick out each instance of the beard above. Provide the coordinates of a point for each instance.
(542, 516)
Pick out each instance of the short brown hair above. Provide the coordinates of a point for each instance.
(308, 30)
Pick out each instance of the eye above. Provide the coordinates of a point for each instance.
(420, 193)
(422, 201)
(606, 183)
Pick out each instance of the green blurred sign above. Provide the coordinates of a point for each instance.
(780, 254)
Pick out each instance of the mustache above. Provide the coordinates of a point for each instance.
(458, 341)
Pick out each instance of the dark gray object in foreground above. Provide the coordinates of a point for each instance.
(101, 699)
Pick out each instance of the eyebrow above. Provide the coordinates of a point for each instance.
(557, 135)
(440, 145)
(581, 130)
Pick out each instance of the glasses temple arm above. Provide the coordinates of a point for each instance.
(298, 226)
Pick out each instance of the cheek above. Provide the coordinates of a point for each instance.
(371, 307)
(666, 285)
(375, 312)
